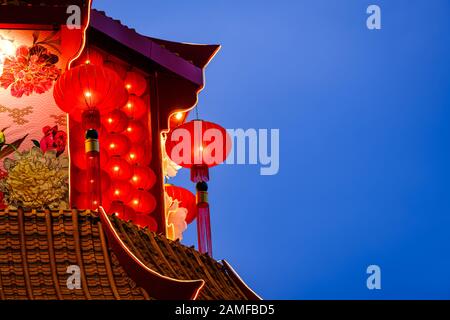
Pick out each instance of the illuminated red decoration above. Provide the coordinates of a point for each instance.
(198, 145)
(90, 56)
(119, 168)
(78, 157)
(89, 87)
(177, 119)
(143, 177)
(142, 202)
(91, 119)
(144, 220)
(186, 200)
(119, 191)
(93, 171)
(135, 107)
(122, 211)
(207, 144)
(135, 83)
(115, 121)
(81, 182)
(135, 131)
(116, 144)
(137, 155)
(118, 68)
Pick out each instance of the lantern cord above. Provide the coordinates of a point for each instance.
(196, 112)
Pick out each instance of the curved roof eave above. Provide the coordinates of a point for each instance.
(185, 60)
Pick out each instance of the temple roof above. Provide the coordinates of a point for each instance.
(36, 248)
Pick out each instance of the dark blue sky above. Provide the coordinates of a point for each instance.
(364, 124)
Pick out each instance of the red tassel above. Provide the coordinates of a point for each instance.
(204, 230)
(92, 150)
(203, 220)
(199, 173)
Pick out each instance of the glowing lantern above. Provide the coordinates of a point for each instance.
(115, 121)
(135, 131)
(119, 169)
(117, 144)
(199, 145)
(120, 191)
(142, 202)
(135, 83)
(135, 107)
(186, 200)
(143, 178)
(88, 87)
(90, 56)
(136, 155)
(90, 90)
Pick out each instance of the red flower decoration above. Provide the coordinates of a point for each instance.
(31, 70)
(53, 140)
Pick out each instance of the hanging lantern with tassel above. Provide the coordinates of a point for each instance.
(90, 90)
(199, 145)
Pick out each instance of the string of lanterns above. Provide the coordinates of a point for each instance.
(110, 144)
(106, 104)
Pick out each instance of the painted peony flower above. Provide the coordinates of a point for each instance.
(30, 70)
(36, 180)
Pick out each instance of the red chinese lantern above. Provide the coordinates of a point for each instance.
(135, 131)
(142, 202)
(186, 200)
(135, 107)
(122, 211)
(89, 87)
(144, 220)
(118, 68)
(120, 191)
(199, 145)
(90, 56)
(115, 121)
(143, 177)
(119, 169)
(135, 83)
(117, 144)
(91, 90)
(137, 155)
